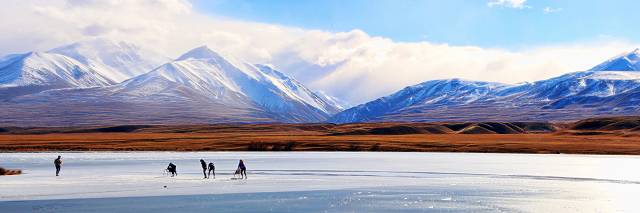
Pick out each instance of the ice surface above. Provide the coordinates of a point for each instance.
(321, 182)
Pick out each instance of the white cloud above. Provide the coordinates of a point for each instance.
(551, 10)
(518, 4)
(351, 65)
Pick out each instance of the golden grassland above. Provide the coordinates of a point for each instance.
(317, 137)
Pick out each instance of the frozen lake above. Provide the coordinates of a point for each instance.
(321, 182)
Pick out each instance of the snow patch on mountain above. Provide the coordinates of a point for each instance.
(232, 82)
(608, 87)
(45, 69)
(116, 60)
(625, 62)
(337, 102)
(297, 91)
(197, 76)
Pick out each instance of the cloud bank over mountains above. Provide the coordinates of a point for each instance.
(353, 65)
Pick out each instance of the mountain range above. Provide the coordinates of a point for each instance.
(610, 88)
(79, 84)
(104, 82)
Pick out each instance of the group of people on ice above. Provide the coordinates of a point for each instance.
(211, 168)
(173, 169)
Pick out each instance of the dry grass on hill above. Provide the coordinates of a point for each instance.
(593, 136)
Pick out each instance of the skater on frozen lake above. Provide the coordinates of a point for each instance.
(204, 168)
(172, 169)
(58, 163)
(243, 170)
(212, 168)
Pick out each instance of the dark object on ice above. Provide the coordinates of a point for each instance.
(58, 163)
(172, 169)
(242, 170)
(212, 168)
(204, 167)
(4, 171)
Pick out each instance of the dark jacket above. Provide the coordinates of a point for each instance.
(57, 162)
(204, 164)
(241, 165)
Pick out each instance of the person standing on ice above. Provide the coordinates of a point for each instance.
(58, 163)
(243, 170)
(173, 169)
(204, 167)
(212, 168)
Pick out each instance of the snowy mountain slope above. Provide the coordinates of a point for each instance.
(334, 101)
(35, 71)
(77, 84)
(236, 84)
(597, 88)
(431, 93)
(299, 92)
(48, 69)
(577, 84)
(109, 106)
(116, 60)
(624, 62)
(198, 76)
(201, 86)
(567, 97)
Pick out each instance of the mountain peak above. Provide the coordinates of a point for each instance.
(32, 54)
(94, 46)
(202, 52)
(36, 56)
(629, 61)
(36, 71)
(116, 60)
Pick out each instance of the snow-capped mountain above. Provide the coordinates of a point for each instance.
(234, 83)
(37, 71)
(101, 82)
(448, 92)
(568, 97)
(625, 62)
(116, 60)
(582, 84)
(299, 92)
(201, 86)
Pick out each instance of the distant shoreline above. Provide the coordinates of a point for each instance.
(407, 152)
(614, 136)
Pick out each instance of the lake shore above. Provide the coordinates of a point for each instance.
(378, 137)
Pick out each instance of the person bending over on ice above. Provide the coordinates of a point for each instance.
(212, 168)
(204, 167)
(172, 169)
(58, 163)
(243, 170)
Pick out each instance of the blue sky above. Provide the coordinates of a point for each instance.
(456, 22)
